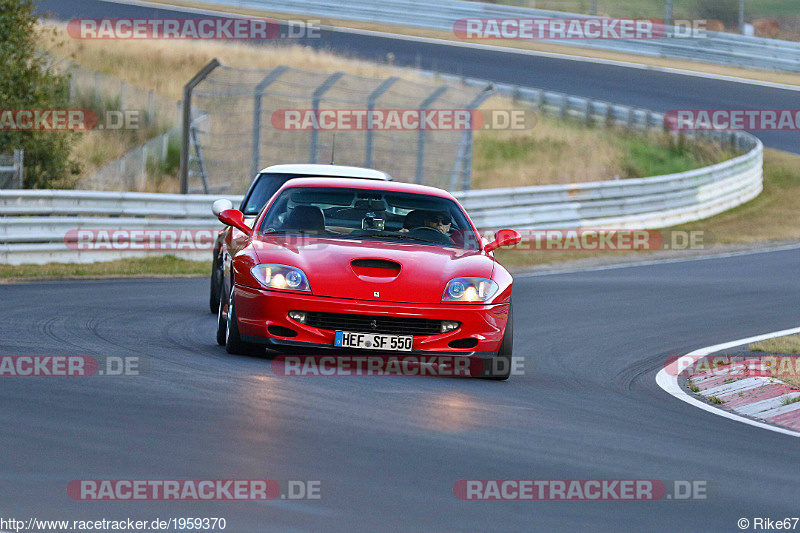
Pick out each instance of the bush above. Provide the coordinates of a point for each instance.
(27, 83)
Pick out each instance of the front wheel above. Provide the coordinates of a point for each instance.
(216, 285)
(222, 324)
(233, 341)
(500, 369)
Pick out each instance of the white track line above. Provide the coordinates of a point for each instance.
(479, 46)
(669, 383)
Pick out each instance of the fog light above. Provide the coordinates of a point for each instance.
(449, 325)
(299, 316)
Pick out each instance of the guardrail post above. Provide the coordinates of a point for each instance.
(187, 119)
(258, 93)
(421, 134)
(587, 117)
(315, 99)
(371, 99)
(563, 111)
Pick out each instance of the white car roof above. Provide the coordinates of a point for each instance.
(328, 170)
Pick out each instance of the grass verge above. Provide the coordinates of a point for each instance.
(147, 266)
(786, 368)
(787, 344)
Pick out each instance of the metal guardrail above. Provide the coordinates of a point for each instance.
(713, 47)
(27, 235)
(34, 224)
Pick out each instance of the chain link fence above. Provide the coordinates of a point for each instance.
(237, 126)
(93, 90)
(110, 98)
(139, 167)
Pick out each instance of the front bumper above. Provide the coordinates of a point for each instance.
(258, 309)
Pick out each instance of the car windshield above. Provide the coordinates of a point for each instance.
(349, 213)
(266, 185)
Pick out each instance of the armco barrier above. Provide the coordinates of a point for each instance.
(33, 224)
(714, 47)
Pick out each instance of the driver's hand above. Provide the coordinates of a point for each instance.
(402, 230)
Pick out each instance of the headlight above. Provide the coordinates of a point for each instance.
(281, 277)
(469, 290)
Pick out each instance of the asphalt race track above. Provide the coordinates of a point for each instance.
(388, 450)
(649, 89)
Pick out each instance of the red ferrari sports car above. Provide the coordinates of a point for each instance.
(357, 264)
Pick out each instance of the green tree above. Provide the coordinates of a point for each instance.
(26, 82)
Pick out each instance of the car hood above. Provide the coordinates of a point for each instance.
(374, 270)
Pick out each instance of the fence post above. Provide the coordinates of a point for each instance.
(96, 90)
(123, 88)
(421, 135)
(71, 73)
(187, 119)
(258, 93)
(151, 106)
(164, 146)
(143, 174)
(315, 99)
(19, 158)
(371, 99)
(464, 157)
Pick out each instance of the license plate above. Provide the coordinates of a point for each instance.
(373, 341)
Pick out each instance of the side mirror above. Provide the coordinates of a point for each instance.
(235, 218)
(504, 237)
(223, 204)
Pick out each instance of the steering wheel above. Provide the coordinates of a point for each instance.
(440, 237)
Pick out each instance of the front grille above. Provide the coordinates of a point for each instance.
(374, 324)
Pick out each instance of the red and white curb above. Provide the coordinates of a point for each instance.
(744, 388)
(748, 389)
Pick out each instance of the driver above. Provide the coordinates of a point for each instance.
(438, 220)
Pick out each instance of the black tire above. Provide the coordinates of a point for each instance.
(500, 369)
(233, 342)
(216, 285)
(222, 325)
